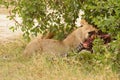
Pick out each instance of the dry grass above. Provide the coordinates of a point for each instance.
(13, 66)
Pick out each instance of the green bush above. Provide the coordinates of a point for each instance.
(30, 11)
(104, 14)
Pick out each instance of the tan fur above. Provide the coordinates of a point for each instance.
(60, 47)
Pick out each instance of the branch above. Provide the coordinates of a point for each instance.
(15, 20)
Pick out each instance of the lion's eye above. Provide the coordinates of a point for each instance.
(91, 33)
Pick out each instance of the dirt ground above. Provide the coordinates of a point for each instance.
(6, 35)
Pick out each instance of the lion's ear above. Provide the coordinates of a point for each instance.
(83, 22)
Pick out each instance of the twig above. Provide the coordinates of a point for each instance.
(15, 20)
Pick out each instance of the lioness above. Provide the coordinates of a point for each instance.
(57, 47)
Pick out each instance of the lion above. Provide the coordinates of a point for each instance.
(57, 47)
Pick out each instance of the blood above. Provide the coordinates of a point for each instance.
(88, 43)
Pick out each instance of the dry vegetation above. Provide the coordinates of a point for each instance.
(43, 67)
